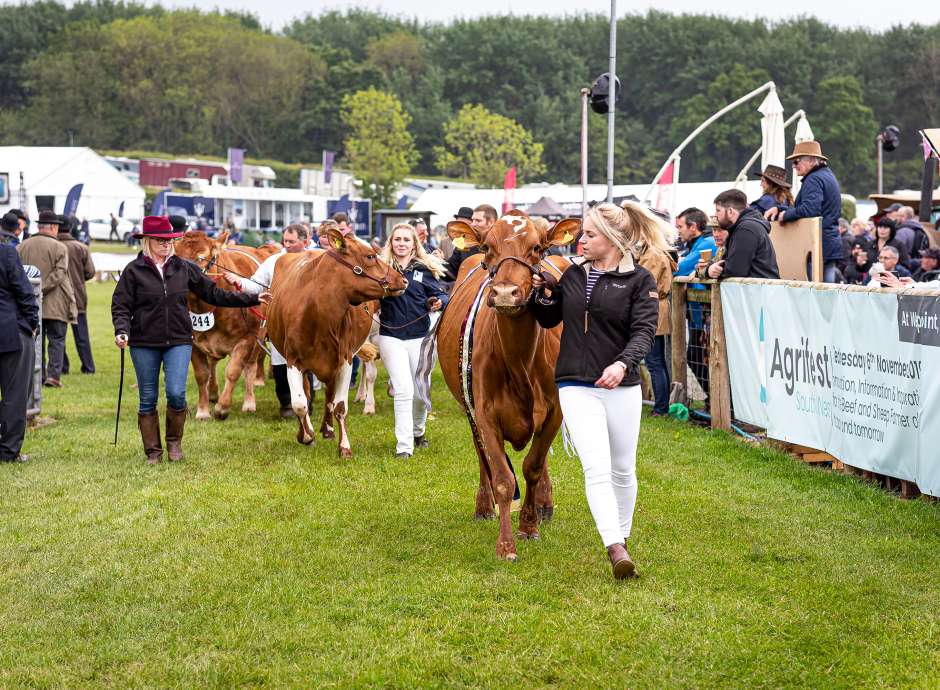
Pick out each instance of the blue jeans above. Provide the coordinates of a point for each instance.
(829, 271)
(659, 375)
(175, 361)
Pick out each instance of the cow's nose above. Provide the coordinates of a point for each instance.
(505, 296)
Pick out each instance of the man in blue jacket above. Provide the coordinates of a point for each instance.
(20, 315)
(819, 196)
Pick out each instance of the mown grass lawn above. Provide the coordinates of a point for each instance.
(259, 562)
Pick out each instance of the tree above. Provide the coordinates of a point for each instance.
(846, 129)
(379, 147)
(482, 146)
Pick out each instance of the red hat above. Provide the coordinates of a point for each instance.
(159, 227)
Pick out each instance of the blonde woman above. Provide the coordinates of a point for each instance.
(150, 313)
(610, 307)
(650, 238)
(405, 322)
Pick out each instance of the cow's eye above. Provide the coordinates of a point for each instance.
(370, 257)
(200, 257)
(484, 248)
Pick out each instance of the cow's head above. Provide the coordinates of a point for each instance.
(512, 248)
(200, 248)
(365, 276)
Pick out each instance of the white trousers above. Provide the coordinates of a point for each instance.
(604, 426)
(401, 360)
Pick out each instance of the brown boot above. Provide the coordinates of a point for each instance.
(175, 420)
(149, 425)
(620, 561)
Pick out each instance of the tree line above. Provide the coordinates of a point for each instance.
(471, 94)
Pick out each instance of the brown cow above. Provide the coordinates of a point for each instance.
(233, 332)
(514, 397)
(320, 315)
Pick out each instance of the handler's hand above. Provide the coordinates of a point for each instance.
(434, 304)
(120, 340)
(611, 377)
(538, 282)
(265, 297)
(716, 269)
(231, 278)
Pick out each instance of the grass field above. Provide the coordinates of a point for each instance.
(259, 562)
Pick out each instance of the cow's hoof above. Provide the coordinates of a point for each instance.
(304, 439)
(202, 415)
(368, 411)
(510, 557)
(221, 415)
(484, 516)
(328, 434)
(529, 534)
(506, 550)
(248, 407)
(213, 397)
(360, 398)
(345, 453)
(545, 513)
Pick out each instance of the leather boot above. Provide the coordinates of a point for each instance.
(149, 425)
(620, 561)
(175, 420)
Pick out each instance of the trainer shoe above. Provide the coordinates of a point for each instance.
(22, 457)
(421, 442)
(402, 456)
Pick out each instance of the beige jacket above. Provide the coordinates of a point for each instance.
(52, 259)
(662, 267)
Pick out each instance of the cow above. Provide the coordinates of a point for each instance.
(512, 395)
(218, 332)
(321, 311)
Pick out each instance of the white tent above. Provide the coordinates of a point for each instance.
(443, 203)
(50, 172)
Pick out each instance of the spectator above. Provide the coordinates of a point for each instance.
(179, 223)
(856, 270)
(819, 196)
(862, 230)
(20, 316)
(888, 258)
(322, 231)
(721, 237)
(342, 221)
(929, 268)
(150, 313)
(421, 229)
(748, 251)
(696, 236)
(775, 188)
(9, 227)
(893, 212)
(405, 322)
(447, 244)
(886, 235)
(651, 248)
(482, 219)
(911, 233)
(50, 256)
(83, 235)
(24, 225)
(81, 269)
(113, 235)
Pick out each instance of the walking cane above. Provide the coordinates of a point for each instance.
(117, 419)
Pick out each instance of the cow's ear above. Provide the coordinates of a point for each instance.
(564, 232)
(222, 238)
(336, 240)
(463, 234)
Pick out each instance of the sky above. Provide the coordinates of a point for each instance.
(844, 13)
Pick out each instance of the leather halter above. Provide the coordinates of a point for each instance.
(360, 271)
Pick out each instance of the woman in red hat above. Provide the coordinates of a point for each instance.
(150, 313)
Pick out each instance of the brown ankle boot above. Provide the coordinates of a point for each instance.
(149, 425)
(620, 561)
(175, 421)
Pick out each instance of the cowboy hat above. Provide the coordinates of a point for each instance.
(158, 227)
(807, 148)
(777, 175)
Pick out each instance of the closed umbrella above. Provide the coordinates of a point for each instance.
(771, 125)
(803, 133)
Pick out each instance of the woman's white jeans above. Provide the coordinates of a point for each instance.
(604, 426)
(401, 360)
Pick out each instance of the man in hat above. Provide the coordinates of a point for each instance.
(81, 269)
(9, 226)
(482, 218)
(23, 232)
(45, 252)
(19, 313)
(819, 196)
(179, 224)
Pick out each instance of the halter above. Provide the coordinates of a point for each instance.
(493, 270)
(360, 271)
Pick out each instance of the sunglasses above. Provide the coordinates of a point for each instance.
(165, 242)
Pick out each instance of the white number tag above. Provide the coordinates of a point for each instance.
(418, 277)
(202, 322)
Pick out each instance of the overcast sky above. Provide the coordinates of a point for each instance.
(845, 13)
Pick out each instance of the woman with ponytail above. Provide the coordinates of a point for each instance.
(609, 306)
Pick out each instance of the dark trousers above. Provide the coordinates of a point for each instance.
(53, 333)
(82, 344)
(697, 356)
(16, 372)
(281, 387)
(659, 375)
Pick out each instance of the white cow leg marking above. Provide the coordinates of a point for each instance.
(298, 403)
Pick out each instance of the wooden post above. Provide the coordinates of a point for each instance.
(719, 383)
(679, 342)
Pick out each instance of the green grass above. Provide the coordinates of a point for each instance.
(112, 247)
(261, 562)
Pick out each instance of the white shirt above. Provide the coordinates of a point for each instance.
(263, 277)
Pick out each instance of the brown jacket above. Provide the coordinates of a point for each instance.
(81, 269)
(661, 266)
(52, 259)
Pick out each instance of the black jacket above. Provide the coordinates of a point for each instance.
(617, 325)
(457, 258)
(749, 253)
(154, 312)
(17, 300)
(408, 314)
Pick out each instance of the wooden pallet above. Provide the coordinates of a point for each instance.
(813, 456)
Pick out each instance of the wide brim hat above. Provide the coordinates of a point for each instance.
(807, 148)
(465, 213)
(158, 227)
(777, 175)
(179, 223)
(48, 218)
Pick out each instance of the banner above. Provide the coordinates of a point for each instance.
(72, 199)
(236, 161)
(358, 210)
(328, 157)
(847, 372)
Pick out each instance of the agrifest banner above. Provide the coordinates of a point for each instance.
(855, 374)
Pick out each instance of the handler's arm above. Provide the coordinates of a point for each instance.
(207, 291)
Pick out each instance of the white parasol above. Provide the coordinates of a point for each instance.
(773, 144)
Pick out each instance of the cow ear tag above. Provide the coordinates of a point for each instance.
(567, 239)
(338, 243)
(460, 243)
